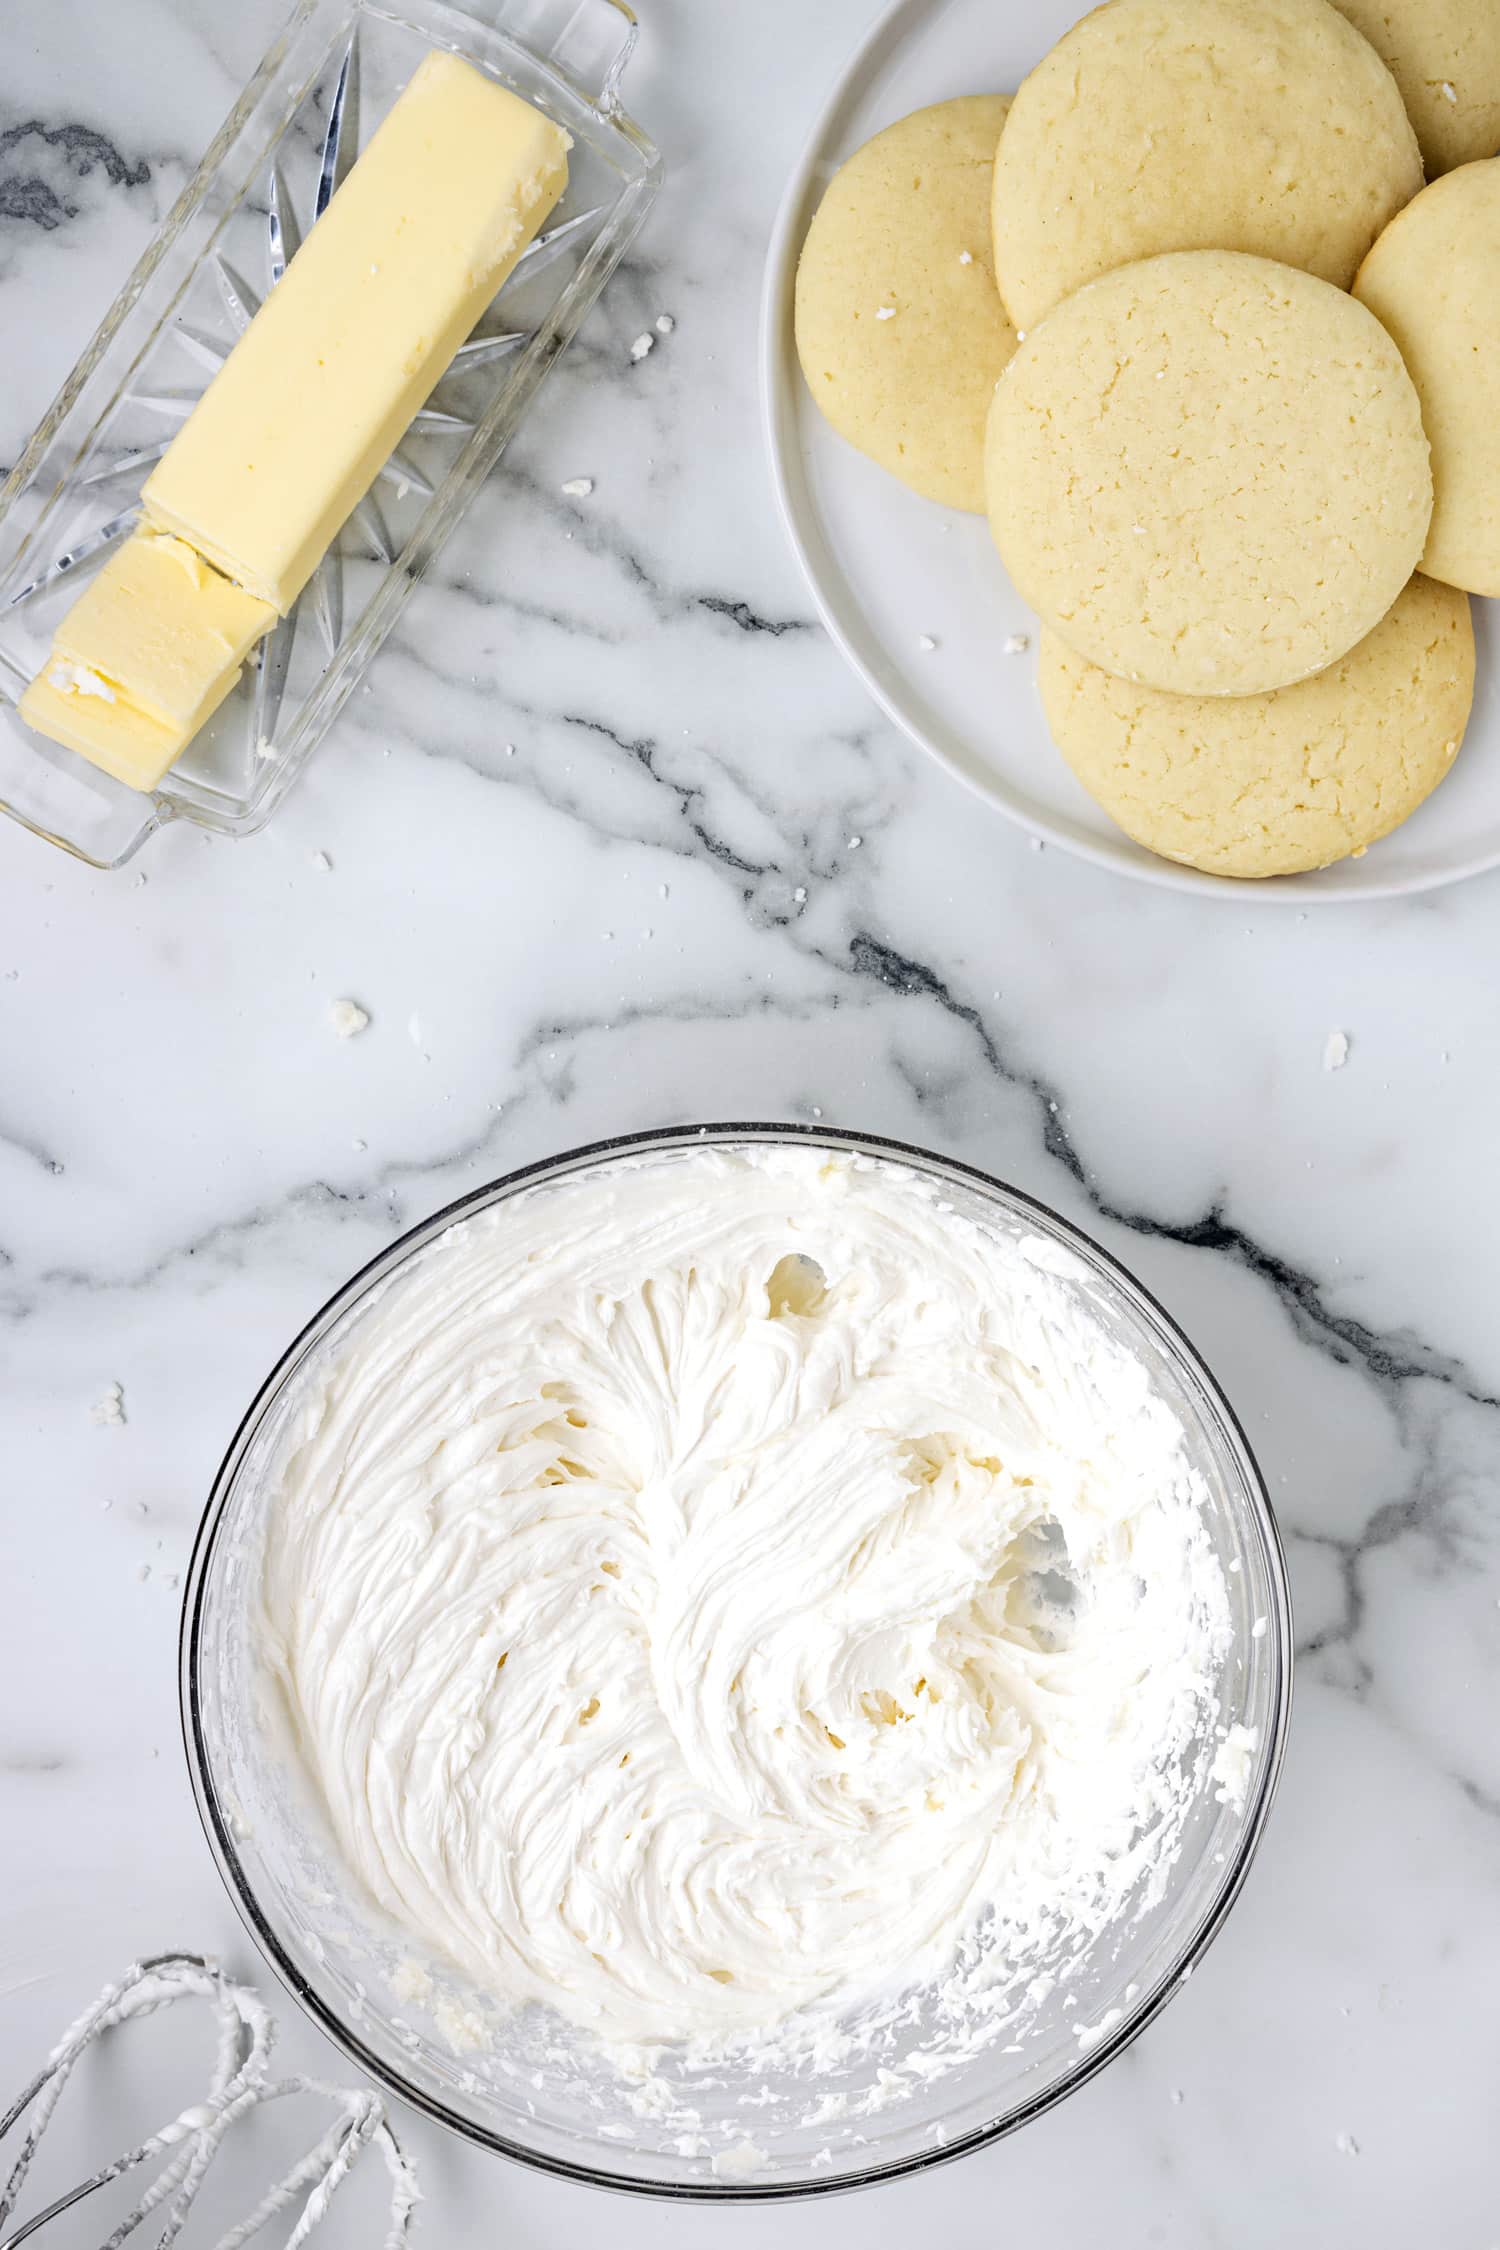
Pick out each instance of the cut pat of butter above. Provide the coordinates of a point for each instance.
(169, 630)
(145, 655)
(112, 734)
(311, 402)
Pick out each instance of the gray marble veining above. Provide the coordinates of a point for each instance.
(614, 841)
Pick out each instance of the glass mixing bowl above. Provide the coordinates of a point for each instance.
(536, 2091)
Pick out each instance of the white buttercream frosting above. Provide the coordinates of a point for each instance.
(721, 1584)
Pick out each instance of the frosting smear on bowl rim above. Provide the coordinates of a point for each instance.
(727, 1590)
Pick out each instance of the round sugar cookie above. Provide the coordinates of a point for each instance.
(1269, 126)
(1445, 57)
(1432, 280)
(1253, 786)
(900, 331)
(1208, 472)
(1272, 784)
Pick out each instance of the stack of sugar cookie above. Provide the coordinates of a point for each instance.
(1183, 319)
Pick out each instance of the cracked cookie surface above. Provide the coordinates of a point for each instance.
(1208, 473)
(1275, 784)
(900, 331)
(1268, 126)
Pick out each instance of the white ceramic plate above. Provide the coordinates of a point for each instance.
(887, 568)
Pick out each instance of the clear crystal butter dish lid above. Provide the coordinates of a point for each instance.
(310, 107)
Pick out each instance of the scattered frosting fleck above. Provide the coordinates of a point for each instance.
(412, 1982)
(1336, 1050)
(1233, 1764)
(109, 1409)
(348, 1018)
(739, 2163)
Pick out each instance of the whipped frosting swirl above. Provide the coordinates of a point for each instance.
(717, 1584)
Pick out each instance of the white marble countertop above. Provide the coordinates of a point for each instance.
(655, 910)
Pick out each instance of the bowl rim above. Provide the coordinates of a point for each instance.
(660, 1139)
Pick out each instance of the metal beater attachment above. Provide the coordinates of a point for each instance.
(240, 2084)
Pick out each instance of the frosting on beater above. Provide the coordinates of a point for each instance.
(717, 1584)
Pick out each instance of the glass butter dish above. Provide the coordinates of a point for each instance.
(315, 100)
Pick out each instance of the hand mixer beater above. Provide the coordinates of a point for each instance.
(240, 2084)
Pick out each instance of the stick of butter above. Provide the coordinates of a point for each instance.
(311, 402)
(145, 655)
